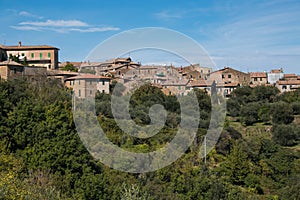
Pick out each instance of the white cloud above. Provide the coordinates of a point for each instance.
(26, 28)
(28, 14)
(56, 23)
(95, 29)
(61, 26)
(167, 15)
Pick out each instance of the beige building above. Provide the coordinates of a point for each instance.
(258, 78)
(86, 85)
(228, 79)
(179, 87)
(40, 56)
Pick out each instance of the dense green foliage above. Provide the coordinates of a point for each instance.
(69, 67)
(42, 157)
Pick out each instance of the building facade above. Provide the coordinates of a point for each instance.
(40, 56)
(258, 78)
(87, 85)
(10, 70)
(275, 75)
(228, 79)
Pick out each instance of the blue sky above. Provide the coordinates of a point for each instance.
(246, 35)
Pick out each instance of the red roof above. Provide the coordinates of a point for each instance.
(289, 76)
(288, 82)
(258, 75)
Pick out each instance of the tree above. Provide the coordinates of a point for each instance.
(286, 135)
(69, 67)
(265, 93)
(237, 164)
(249, 113)
(282, 113)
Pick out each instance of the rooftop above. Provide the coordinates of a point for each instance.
(26, 47)
(10, 62)
(258, 75)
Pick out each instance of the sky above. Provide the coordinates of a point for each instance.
(250, 35)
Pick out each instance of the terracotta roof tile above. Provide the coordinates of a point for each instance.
(258, 75)
(288, 82)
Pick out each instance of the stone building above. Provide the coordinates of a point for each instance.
(258, 78)
(115, 67)
(228, 79)
(178, 87)
(10, 70)
(194, 72)
(40, 55)
(86, 85)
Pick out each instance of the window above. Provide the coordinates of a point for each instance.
(179, 87)
(23, 54)
(223, 76)
(103, 83)
(49, 54)
(255, 79)
(78, 82)
(260, 79)
(41, 55)
(208, 71)
(103, 91)
(229, 75)
(15, 70)
(32, 55)
(90, 82)
(79, 93)
(284, 87)
(91, 92)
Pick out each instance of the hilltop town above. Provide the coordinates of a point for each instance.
(42, 61)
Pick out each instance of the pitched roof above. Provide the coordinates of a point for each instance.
(290, 76)
(227, 69)
(23, 47)
(288, 82)
(258, 75)
(11, 63)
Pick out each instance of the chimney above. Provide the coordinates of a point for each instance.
(20, 43)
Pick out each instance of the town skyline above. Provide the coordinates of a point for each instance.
(248, 36)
